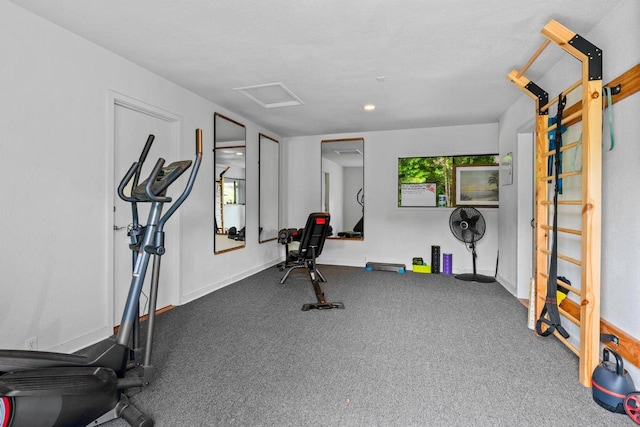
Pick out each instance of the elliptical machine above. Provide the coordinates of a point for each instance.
(55, 389)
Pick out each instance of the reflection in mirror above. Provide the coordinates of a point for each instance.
(342, 184)
(229, 149)
(268, 214)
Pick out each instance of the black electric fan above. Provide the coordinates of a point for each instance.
(468, 225)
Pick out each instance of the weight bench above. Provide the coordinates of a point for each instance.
(311, 243)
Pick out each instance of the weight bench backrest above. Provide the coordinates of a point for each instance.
(314, 235)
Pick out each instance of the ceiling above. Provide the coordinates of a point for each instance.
(423, 63)
(230, 141)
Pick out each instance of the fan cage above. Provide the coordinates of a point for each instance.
(467, 224)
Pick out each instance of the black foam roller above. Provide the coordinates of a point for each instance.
(435, 259)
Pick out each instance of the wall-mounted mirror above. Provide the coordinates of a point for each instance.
(268, 215)
(229, 147)
(342, 185)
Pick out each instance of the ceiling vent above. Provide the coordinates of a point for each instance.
(271, 95)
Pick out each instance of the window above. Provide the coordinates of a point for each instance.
(430, 181)
(233, 191)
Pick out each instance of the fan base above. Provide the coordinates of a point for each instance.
(472, 277)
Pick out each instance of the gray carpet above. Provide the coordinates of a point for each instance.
(408, 350)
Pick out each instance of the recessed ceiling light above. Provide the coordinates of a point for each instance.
(239, 153)
(369, 107)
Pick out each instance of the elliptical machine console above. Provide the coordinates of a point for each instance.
(54, 389)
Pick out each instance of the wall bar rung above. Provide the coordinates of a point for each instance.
(564, 285)
(563, 148)
(564, 92)
(566, 119)
(564, 341)
(531, 60)
(569, 316)
(549, 128)
(562, 175)
(562, 202)
(563, 230)
(564, 257)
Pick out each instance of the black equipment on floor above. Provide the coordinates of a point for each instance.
(468, 225)
(550, 308)
(610, 383)
(312, 240)
(236, 235)
(435, 259)
(54, 389)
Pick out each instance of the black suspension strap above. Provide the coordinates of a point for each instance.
(551, 302)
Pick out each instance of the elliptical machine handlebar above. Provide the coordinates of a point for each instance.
(143, 157)
(189, 186)
(155, 175)
(153, 188)
(134, 172)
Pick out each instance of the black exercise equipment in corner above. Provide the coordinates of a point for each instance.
(311, 238)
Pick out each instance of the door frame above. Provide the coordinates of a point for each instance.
(525, 193)
(118, 99)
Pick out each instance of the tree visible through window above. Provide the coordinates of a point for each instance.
(438, 170)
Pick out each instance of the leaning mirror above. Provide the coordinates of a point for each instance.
(229, 150)
(269, 163)
(342, 186)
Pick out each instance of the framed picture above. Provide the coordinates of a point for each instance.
(477, 185)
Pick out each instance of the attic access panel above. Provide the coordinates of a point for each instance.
(271, 95)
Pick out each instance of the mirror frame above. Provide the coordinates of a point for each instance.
(265, 139)
(216, 117)
(324, 178)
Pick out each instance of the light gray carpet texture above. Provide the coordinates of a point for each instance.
(408, 350)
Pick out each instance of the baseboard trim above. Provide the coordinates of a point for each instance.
(212, 287)
(146, 316)
(82, 341)
(507, 285)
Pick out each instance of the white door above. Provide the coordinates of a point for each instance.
(132, 126)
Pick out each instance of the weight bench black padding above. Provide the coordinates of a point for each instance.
(312, 241)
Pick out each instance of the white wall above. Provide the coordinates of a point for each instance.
(392, 234)
(57, 186)
(618, 35)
